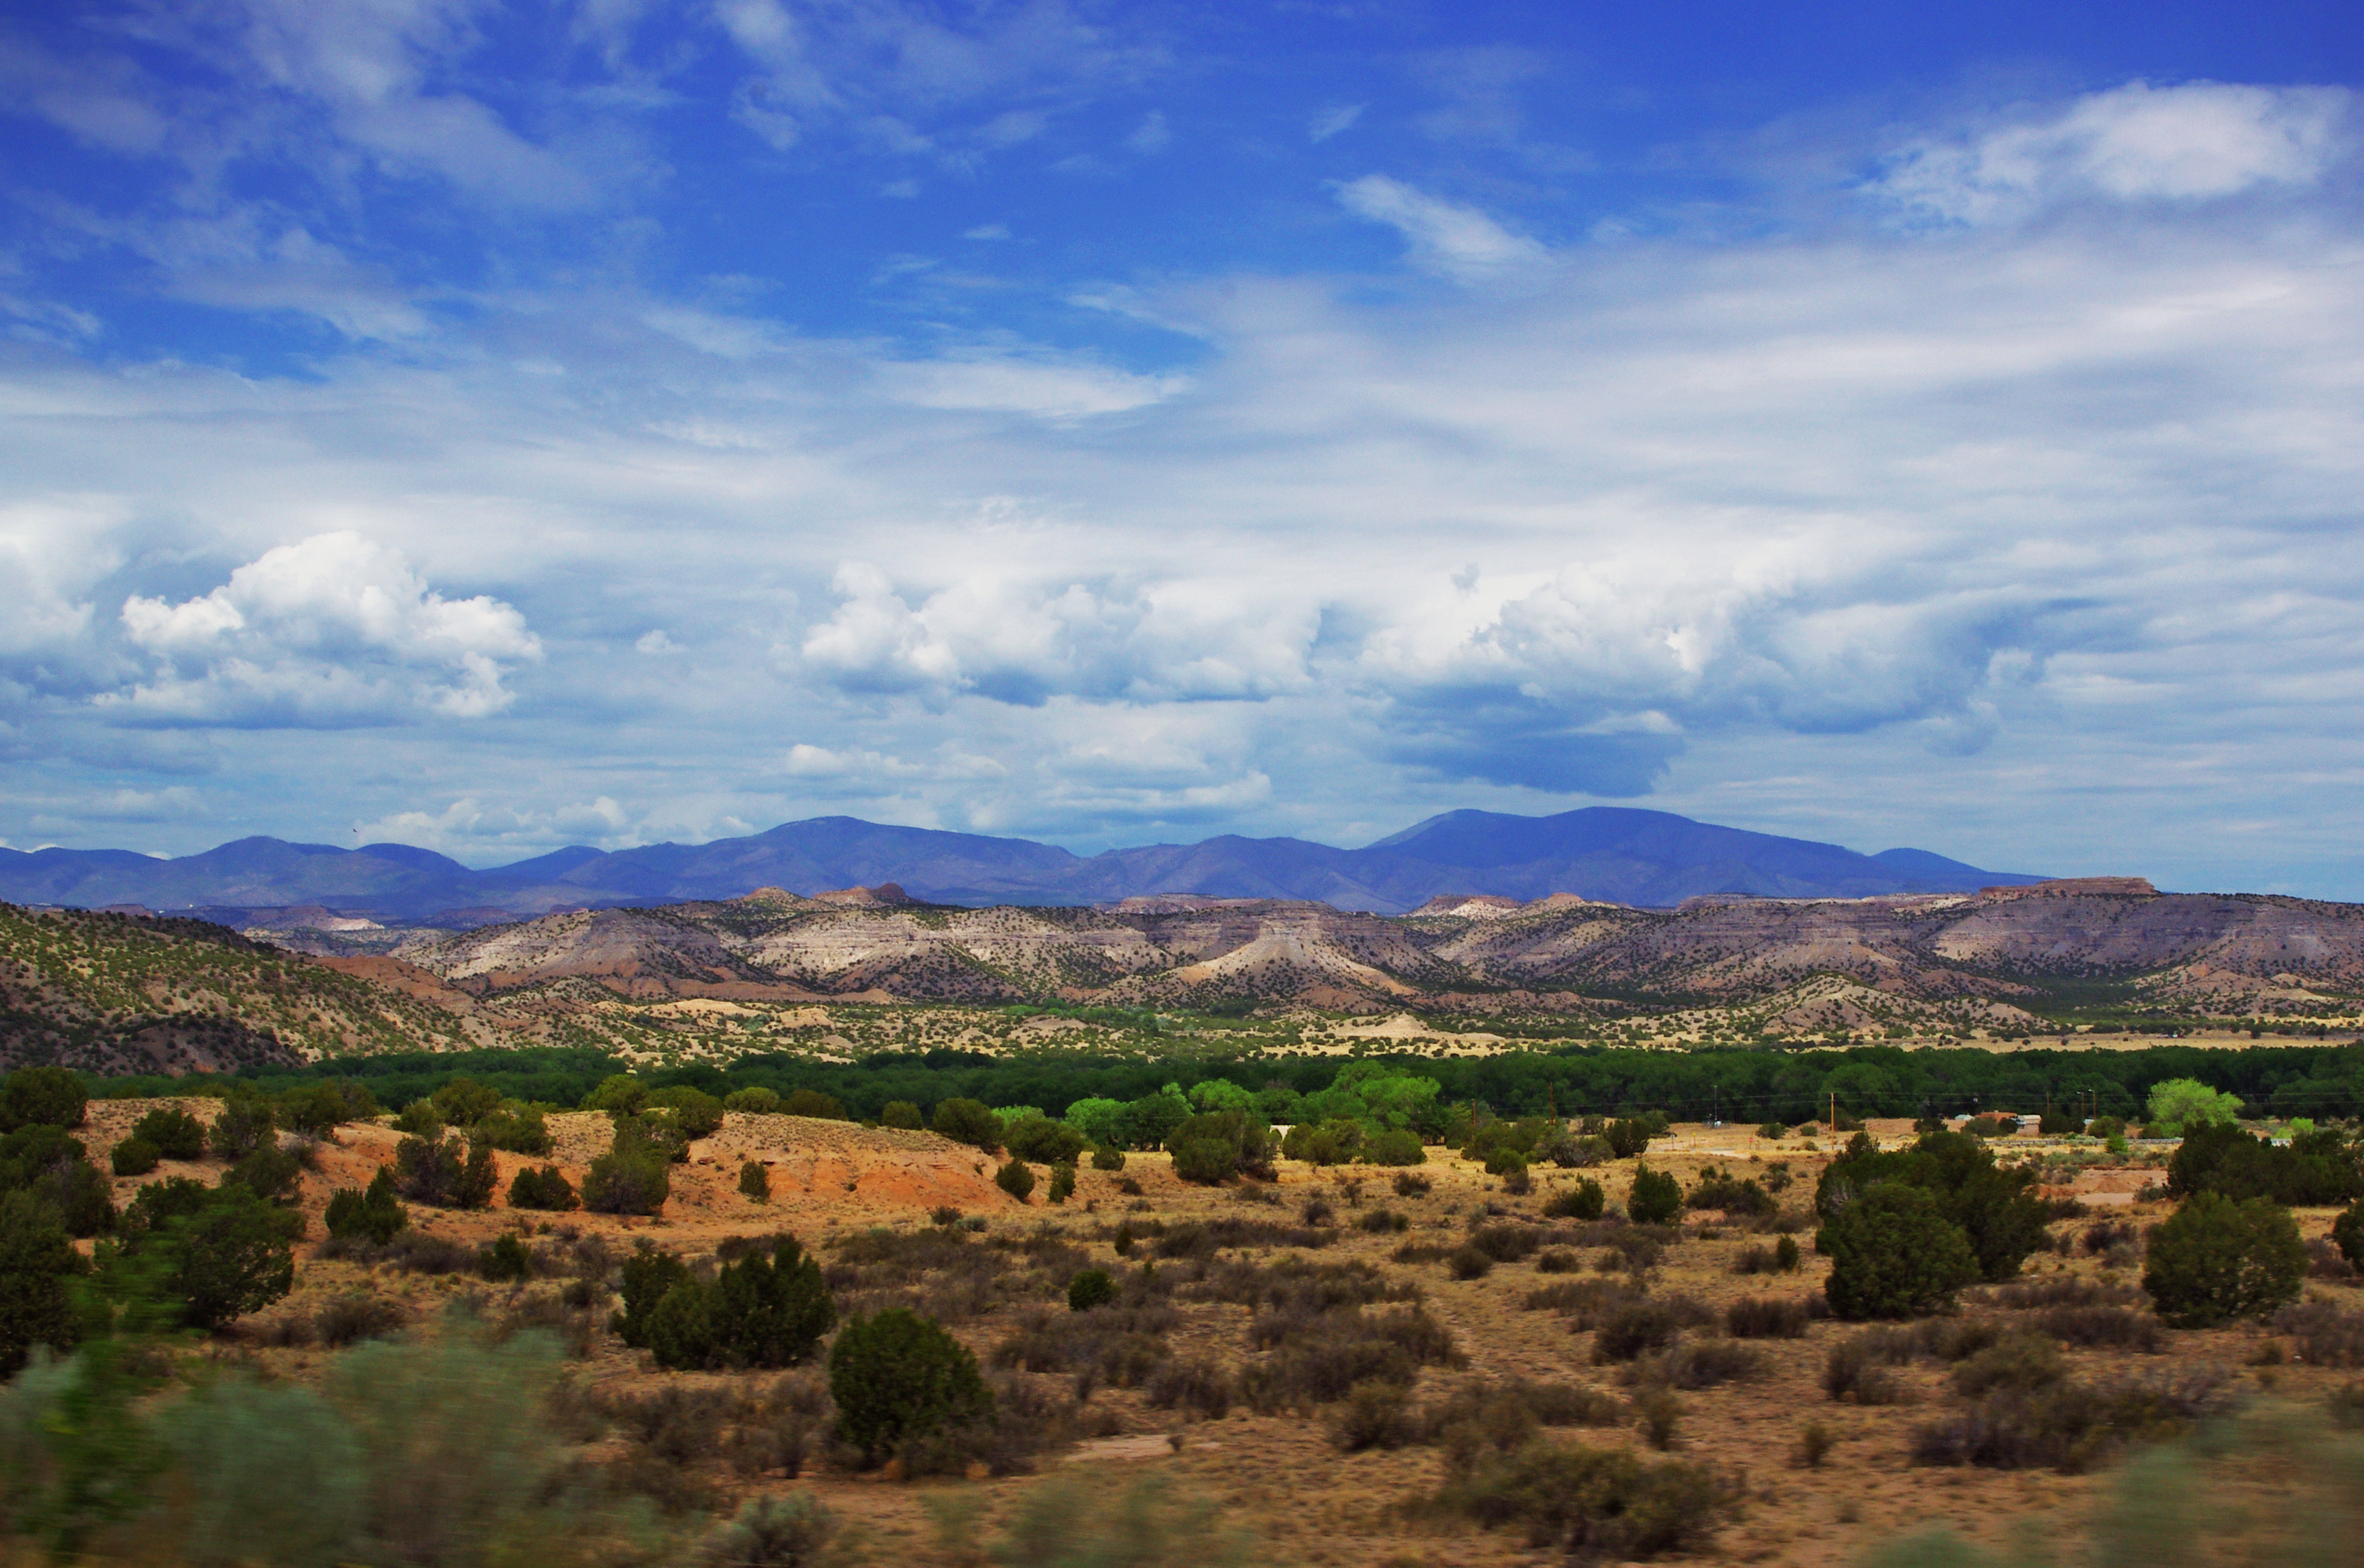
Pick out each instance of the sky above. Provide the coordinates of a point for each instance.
(492, 428)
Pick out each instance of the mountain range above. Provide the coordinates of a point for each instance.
(1646, 859)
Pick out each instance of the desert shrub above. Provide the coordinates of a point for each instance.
(1583, 1201)
(1627, 1138)
(1395, 1146)
(1044, 1141)
(1107, 1158)
(1337, 1141)
(814, 1105)
(1507, 1244)
(2016, 1361)
(1655, 1198)
(2215, 1259)
(901, 1114)
(1999, 1217)
(1860, 1369)
(1203, 1238)
(2060, 1290)
(1215, 1146)
(1469, 1262)
(646, 1276)
(2103, 1328)
(518, 1128)
(51, 1165)
(1016, 1178)
(1408, 1184)
(1063, 1182)
(1767, 1317)
(42, 1096)
(1608, 1505)
(1743, 1198)
(1504, 1161)
(693, 1112)
(896, 1376)
(2348, 1233)
(1699, 1363)
(1772, 1130)
(134, 1156)
(1586, 1304)
(1782, 1258)
(619, 1095)
(770, 1532)
(1120, 1344)
(374, 1213)
(419, 1118)
(270, 1174)
(547, 1190)
(754, 1181)
(2059, 1425)
(37, 1260)
(504, 1260)
(2314, 1167)
(1375, 1415)
(627, 1180)
(1195, 1385)
(759, 1311)
(444, 1173)
(1645, 1323)
(216, 1254)
(970, 1122)
(1894, 1254)
(1321, 1357)
(1478, 1421)
(245, 1123)
(176, 1134)
(349, 1319)
(1557, 1261)
(757, 1100)
(2108, 1236)
(1088, 1289)
(2323, 1334)
(1635, 1249)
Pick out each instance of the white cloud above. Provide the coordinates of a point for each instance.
(1331, 121)
(2196, 141)
(334, 630)
(1459, 241)
(1048, 388)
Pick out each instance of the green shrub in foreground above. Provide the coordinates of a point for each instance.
(134, 1156)
(374, 1214)
(760, 1311)
(546, 1189)
(2215, 1259)
(1656, 1197)
(1091, 1288)
(898, 1376)
(1595, 1504)
(176, 1134)
(1015, 1179)
(1894, 1254)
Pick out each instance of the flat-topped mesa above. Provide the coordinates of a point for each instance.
(886, 895)
(2078, 886)
(779, 896)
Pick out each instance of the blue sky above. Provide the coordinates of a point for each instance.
(499, 426)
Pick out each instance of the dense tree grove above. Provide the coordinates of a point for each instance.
(1749, 1085)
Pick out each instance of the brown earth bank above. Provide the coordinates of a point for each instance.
(1283, 1477)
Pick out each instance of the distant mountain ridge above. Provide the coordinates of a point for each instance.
(1649, 859)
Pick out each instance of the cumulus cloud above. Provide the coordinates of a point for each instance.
(332, 630)
(2193, 141)
(1023, 642)
(1459, 241)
